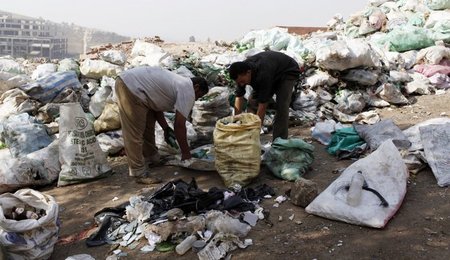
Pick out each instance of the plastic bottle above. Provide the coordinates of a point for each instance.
(355, 190)
(185, 245)
(229, 225)
(192, 224)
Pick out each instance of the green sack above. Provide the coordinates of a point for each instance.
(407, 38)
(289, 158)
(344, 139)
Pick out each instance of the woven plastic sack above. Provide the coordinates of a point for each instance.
(79, 151)
(28, 238)
(385, 172)
(238, 148)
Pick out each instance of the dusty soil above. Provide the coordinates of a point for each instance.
(420, 229)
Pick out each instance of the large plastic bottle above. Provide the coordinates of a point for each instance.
(355, 190)
(229, 225)
(185, 245)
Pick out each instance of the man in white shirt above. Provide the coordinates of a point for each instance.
(144, 93)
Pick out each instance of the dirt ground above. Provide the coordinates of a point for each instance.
(420, 229)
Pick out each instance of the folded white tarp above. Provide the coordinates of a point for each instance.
(436, 144)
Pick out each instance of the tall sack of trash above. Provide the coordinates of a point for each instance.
(207, 110)
(238, 148)
(79, 151)
(28, 224)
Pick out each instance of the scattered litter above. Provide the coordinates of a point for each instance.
(80, 257)
(147, 249)
(250, 218)
(280, 199)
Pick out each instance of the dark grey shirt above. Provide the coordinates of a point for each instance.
(268, 69)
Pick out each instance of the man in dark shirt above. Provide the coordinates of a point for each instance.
(268, 73)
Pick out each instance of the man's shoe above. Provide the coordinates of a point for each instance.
(149, 180)
(162, 161)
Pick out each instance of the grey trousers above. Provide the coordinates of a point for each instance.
(138, 130)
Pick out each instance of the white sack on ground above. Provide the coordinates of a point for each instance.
(111, 142)
(38, 168)
(439, 80)
(69, 65)
(385, 172)
(362, 77)
(323, 131)
(79, 152)
(15, 101)
(97, 102)
(9, 81)
(11, 66)
(320, 78)
(145, 53)
(342, 55)
(413, 133)
(399, 76)
(114, 57)
(43, 70)
(376, 134)
(392, 94)
(436, 144)
(23, 135)
(420, 85)
(433, 55)
(98, 68)
(350, 102)
(415, 157)
(29, 238)
(306, 101)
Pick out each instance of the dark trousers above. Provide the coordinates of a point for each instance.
(283, 100)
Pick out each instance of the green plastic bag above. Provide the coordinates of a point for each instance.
(344, 139)
(289, 158)
(407, 38)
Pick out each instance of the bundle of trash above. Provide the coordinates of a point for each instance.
(180, 216)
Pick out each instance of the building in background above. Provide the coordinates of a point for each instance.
(27, 37)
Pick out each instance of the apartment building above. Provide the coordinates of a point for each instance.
(27, 37)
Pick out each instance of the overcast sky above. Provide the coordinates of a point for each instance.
(176, 20)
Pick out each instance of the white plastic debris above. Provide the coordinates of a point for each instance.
(80, 257)
(280, 199)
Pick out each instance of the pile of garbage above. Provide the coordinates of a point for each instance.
(179, 216)
(382, 56)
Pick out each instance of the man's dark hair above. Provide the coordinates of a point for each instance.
(202, 83)
(238, 68)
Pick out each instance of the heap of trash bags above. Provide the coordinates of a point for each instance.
(381, 56)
